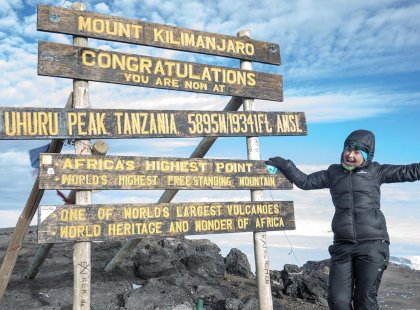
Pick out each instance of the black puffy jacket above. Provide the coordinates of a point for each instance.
(355, 194)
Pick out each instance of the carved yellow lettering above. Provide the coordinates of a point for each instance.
(81, 123)
(145, 65)
(189, 39)
(100, 123)
(230, 46)
(240, 46)
(76, 214)
(159, 82)
(127, 126)
(42, 123)
(88, 58)
(179, 227)
(71, 122)
(250, 78)
(285, 121)
(92, 163)
(192, 74)
(213, 225)
(206, 74)
(79, 163)
(119, 117)
(92, 126)
(219, 88)
(211, 43)
(222, 46)
(195, 85)
(98, 25)
(192, 128)
(119, 62)
(297, 123)
(157, 35)
(266, 123)
(250, 49)
(68, 164)
(53, 123)
(292, 123)
(104, 60)
(10, 123)
(159, 68)
(119, 166)
(85, 24)
(200, 42)
(111, 30)
(136, 30)
(172, 39)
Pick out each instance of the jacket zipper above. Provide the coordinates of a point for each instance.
(352, 207)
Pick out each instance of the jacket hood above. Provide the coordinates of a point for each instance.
(365, 140)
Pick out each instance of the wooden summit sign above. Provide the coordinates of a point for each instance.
(44, 123)
(86, 24)
(84, 63)
(104, 222)
(63, 171)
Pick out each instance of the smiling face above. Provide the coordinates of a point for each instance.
(352, 157)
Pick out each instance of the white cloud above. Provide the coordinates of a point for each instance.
(342, 104)
(102, 8)
(15, 158)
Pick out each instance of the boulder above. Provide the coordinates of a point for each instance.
(157, 294)
(161, 257)
(237, 264)
(323, 265)
(305, 284)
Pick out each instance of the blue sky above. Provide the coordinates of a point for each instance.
(346, 64)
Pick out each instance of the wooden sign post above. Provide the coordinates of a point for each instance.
(82, 250)
(84, 222)
(260, 238)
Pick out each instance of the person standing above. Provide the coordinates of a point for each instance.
(360, 251)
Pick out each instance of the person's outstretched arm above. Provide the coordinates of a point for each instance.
(399, 173)
(316, 180)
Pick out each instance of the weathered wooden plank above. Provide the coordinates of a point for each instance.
(86, 63)
(64, 171)
(47, 123)
(113, 28)
(104, 222)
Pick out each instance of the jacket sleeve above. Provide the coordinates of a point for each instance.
(316, 180)
(399, 173)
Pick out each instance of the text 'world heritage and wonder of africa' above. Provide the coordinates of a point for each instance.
(94, 222)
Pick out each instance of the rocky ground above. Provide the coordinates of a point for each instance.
(172, 274)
